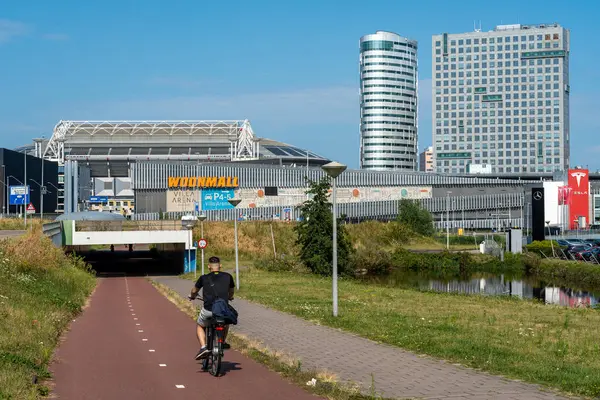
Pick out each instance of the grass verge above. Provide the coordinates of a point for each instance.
(550, 345)
(286, 365)
(17, 224)
(41, 290)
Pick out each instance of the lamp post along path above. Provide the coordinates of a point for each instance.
(334, 169)
(201, 218)
(188, 222)
(234, 203)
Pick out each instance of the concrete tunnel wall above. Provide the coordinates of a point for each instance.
(130, 237)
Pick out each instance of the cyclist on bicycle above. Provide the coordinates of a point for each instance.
(224, 287)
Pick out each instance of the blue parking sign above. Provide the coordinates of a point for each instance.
(216, 199)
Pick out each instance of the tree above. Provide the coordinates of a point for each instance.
(315, 233)
(413, 215)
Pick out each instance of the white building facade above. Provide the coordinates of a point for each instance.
(501, 98)
(388, 102)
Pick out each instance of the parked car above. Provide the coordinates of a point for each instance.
(592, 254)
(574, 252)
(593, 242)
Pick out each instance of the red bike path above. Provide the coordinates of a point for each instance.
(133, 343)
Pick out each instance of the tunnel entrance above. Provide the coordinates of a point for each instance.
(137, 261)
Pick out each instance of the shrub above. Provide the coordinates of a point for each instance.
(379, 234)
(447, 262)
(544, 247)
(575, 274)
(414, 216)
(371, 261)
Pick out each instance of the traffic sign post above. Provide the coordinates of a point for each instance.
(30, 209)
(202, 243)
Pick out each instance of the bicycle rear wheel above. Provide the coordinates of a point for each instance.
(215, 355)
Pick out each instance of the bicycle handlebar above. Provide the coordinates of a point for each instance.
(200, 298)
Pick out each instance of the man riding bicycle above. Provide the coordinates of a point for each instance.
(224, 288)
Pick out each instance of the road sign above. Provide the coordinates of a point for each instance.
(202, 243)
(30, 209)
(216, 199)
(98, 199)
(19, 195)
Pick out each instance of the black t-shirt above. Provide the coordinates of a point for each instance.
(222, 282)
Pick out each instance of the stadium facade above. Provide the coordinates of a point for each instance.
(167, 190)
(105, 150)
(163, 169)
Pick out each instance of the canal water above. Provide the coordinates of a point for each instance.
(523, 287)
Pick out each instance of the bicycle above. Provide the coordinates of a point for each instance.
(214, 343)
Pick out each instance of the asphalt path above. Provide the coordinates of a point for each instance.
(133, 343)
(7, 234)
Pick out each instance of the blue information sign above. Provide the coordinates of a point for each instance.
(216, 199)
(98, 199)
(19, 195)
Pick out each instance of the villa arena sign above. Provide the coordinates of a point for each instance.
(203, 182)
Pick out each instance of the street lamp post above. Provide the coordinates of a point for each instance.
(57, 190)
(334, 169)
(26, 191)
(42, 190)
(202, 217)
(188, 222)
(234, 203)
(448, 220)
(549, 234)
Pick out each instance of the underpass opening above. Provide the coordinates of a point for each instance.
(133, 260)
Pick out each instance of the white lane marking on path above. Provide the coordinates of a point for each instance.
(162, 365)
(135, 319)
(151, 350)
(144, 340)
(137, 324)
(140, 330)
(180, 386)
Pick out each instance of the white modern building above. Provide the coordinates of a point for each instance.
(388, 102)
(501, 98)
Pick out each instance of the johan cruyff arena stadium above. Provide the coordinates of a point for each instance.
(164, 169)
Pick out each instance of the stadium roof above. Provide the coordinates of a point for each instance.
(120, 142)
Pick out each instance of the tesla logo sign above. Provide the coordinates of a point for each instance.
(579, 204)
(578, 176)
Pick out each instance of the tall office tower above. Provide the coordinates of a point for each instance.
(501, 100)
(388, 102)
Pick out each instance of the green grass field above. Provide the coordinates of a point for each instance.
(538, 343)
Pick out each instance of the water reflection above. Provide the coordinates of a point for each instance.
(498, 285)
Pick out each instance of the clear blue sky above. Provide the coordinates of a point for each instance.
(291, 68)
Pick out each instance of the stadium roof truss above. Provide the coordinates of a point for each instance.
(243, 144)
